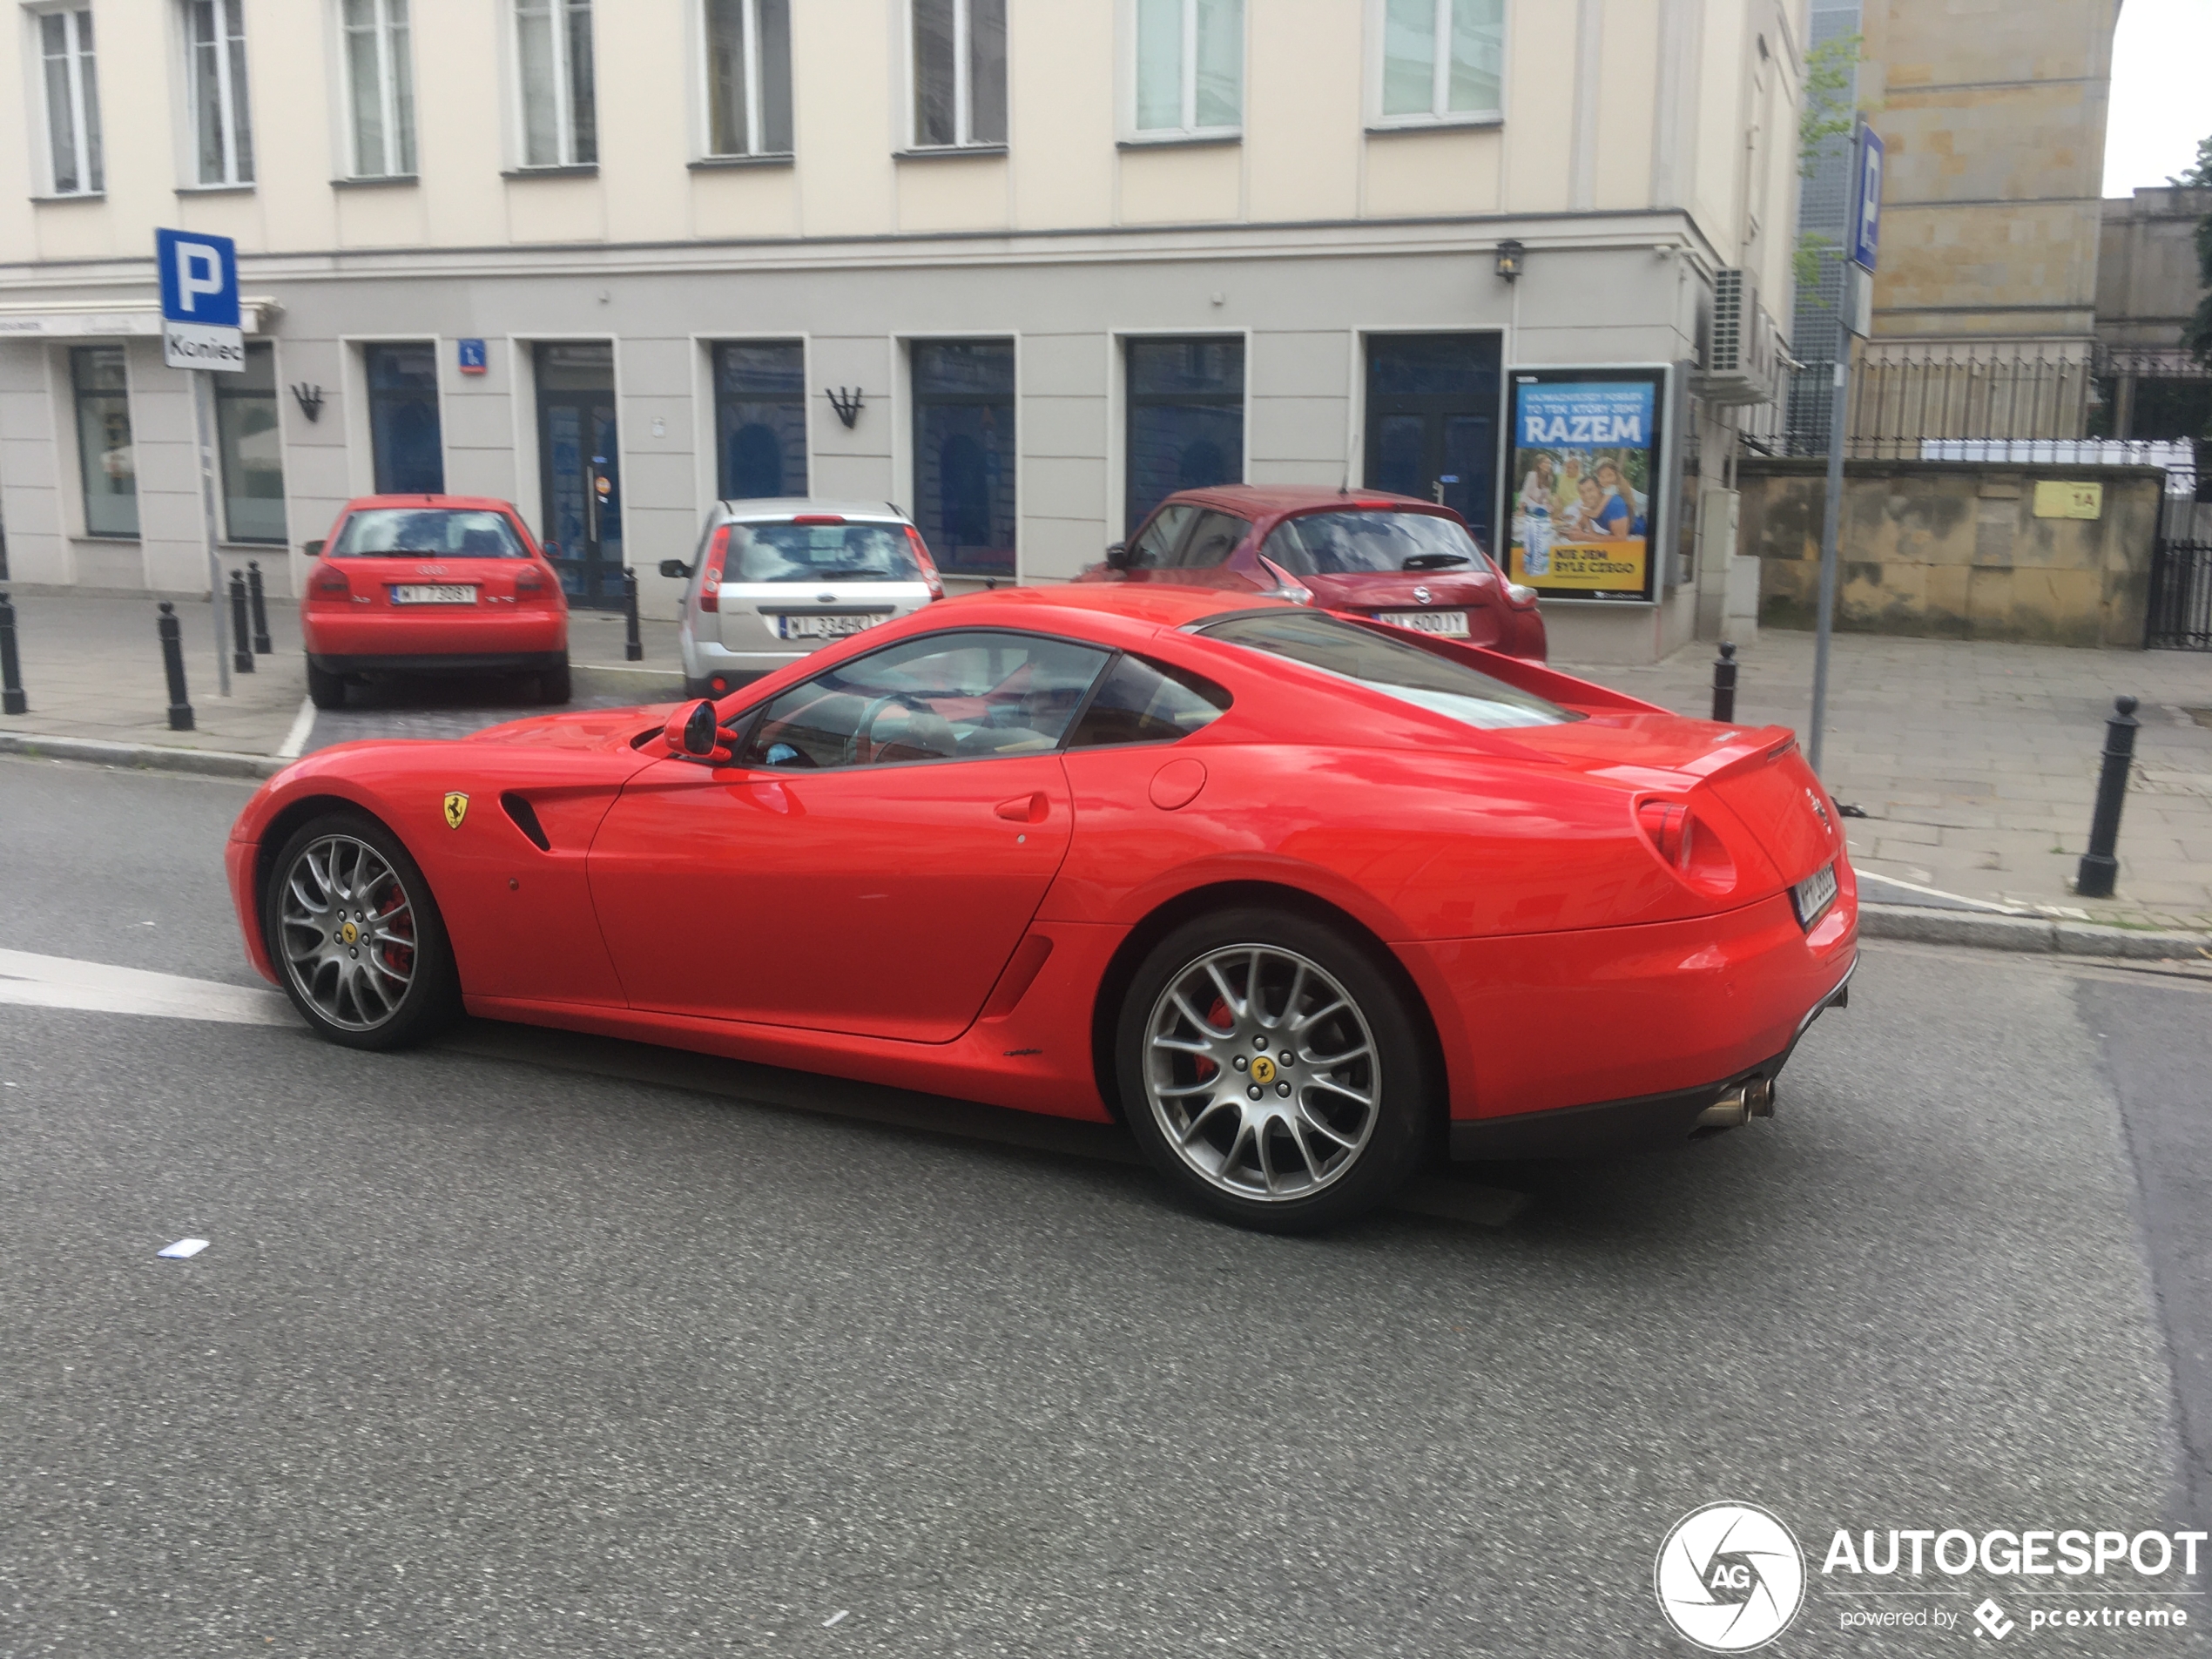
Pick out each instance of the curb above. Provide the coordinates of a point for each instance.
(1981, 932)
(154, 756)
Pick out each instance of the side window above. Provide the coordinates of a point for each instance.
(973, 696)
(1213, 539)
(1152, 550)
(1148, 702)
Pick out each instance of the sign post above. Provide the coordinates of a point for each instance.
(1854, 310)
(200, 333)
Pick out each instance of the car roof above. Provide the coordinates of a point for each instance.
(465, 503)
(1257, 500)
(1154, 605)
(762, 507)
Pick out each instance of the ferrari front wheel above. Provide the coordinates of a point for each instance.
(1271, 1067)
(357, 937)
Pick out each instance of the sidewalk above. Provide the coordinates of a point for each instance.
(1976, 762)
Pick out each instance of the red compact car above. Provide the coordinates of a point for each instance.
(1395, 559)
(439, 584)
(1298, 898)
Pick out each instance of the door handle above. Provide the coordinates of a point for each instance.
(1025, 809)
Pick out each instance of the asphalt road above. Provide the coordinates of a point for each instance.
(526, 1344)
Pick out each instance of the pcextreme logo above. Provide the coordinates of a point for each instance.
(1730, 1577)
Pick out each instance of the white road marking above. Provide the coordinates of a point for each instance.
(184, 1250)
(28, 980)
(302, 724)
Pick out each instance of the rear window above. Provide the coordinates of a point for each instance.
(1348, 543)
(439, 532)
(1402, 670)
(819, 553)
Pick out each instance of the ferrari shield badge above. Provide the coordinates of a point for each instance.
(456, 809)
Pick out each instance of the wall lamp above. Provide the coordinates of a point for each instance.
(847, 401)
(310, 400)
(1509, 260)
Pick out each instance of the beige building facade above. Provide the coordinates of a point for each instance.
(1018, 265)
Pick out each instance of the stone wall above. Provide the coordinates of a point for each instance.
(1954, 549)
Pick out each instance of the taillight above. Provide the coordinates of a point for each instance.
(710, 571)
(1687, 844)
(930, 578)
(529, 582)
(327, 581)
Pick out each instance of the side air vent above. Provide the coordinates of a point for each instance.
(525, 817)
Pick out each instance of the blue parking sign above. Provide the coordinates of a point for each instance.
(1866, 199)
(198, 277)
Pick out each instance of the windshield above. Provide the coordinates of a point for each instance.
(1348, 543)
(820, 553)
(1403, 670)
(440, 532)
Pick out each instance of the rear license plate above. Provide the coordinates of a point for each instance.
(1453, 623)
(1813, 895)
(433, 593)
(825, 627)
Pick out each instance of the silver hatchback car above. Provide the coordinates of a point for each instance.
(775, 579)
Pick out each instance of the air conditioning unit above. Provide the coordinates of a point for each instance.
(1743, 360)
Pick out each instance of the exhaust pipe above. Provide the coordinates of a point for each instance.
(1737, 1106)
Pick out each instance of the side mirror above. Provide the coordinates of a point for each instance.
(675, 567)
(1118, 557)
(692, 732)
(312, 549)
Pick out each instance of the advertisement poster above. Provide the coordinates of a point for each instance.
(1583, 459)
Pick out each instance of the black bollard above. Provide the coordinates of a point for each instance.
(173, 662)
(1724, 668)
(2100, 864)
(242, 647)
(10, 668)
(260, 607)
(633, 648)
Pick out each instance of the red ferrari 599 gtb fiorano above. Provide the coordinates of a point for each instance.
(1299, 899)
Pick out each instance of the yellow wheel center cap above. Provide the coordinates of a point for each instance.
(1263, 1071)
(348, 933)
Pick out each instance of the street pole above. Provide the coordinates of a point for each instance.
(1830, 534)
(203, 400)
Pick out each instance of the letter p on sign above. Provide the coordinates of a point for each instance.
(198, 277)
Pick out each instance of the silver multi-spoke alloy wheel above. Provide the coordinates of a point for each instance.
(347, 927)
(1261, 1072)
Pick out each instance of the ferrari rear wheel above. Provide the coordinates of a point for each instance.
(356, 935)
(1270, 1069)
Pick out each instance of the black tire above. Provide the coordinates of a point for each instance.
(326, 690)
(1376, 1146)
(431, 997)
(553, 684)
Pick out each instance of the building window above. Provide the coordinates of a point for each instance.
(72, 102)
(105, 456)
(1443, 59)
(963, 426)
(222, 128)
(1189, 66)
(560, 120)
(245, 440)
(1186, 419)
(380, 81)
(403, 431)
(760, 419)
(748, 77)
(959, 72)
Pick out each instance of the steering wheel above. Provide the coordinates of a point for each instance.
(863, 733)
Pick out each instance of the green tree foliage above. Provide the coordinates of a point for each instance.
(1825, 118)
(2197, 333)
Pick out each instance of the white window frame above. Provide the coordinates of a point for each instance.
(84, 134)
(963, 91)
(755, 136)
(564, 86)
(387, 89)
(1439, 71)
(1188, 127)
(226, 12)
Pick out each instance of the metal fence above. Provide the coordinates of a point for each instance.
(2180, 612)
(1903, 397)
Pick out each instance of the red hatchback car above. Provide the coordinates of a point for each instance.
(439, 584)
(1363, 553)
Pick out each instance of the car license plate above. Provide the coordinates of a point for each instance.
(826, 627)
(1813, 895)
(433, 593)
(1453, 623)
